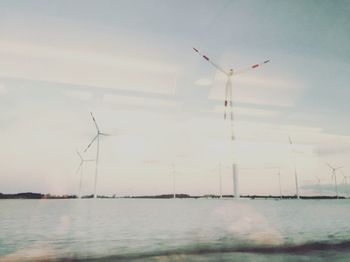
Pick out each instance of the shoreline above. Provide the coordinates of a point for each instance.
(31, 195)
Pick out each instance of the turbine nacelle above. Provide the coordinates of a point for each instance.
(99, 133)
(334, 168)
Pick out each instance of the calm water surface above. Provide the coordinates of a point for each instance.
(174, 230)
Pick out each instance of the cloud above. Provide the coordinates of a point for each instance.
(132, 101)
(3, 90)
(333, 149)
(93, 68)
(258, 90)
(203, 82)
(156, 162)
(81, 95)
(267, 82)
(246, 111)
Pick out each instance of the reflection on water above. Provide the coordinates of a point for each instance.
(198, 230)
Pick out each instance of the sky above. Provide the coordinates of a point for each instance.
(131, 63)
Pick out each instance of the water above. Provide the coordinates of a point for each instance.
(174, 230)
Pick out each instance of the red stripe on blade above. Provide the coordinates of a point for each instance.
(206, 58)
(195, 49)
(254, 66)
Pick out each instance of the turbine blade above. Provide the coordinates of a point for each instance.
(81, 158)
(92, 141)
(290, 140)
(93, 118)
(330, 166)
(211, 62)
(105, 134)
(81, 163)
(250, 67)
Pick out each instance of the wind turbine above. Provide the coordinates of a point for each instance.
(334, 175)
(80, 168)
(96, 138)
(279, 182)
(172, 168)
(228, 101)
(220, 175)
(218, 168)
(295, 170)
(319, 185)
(345, 181)
(279, 179)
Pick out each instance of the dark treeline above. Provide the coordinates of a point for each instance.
(27, 195)
(30, 195)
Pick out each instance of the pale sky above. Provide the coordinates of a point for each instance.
(131, 63)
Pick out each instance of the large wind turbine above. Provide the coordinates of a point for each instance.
(334, 175)
(96, 138)
(228, 100)
(80, 168)
(295, 170)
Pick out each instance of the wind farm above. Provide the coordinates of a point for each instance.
(174, 130)
(228, 116)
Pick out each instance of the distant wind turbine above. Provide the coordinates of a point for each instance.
(172, 168)
(80, 168)
(220, 176)
(96, 138)
(345, 181)
(228, 100)
(279, 179)
(295, 169)
(334, 175)
(279, 182)
(319, 185)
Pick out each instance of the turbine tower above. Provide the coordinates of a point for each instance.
(279, 182)
(319, 185)
(334, 175)
(228, 101)
(80, 168)
(295, 170)
(220, 176)
(345, 181)
(279, 179)
(172, 168)
(96, 138)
